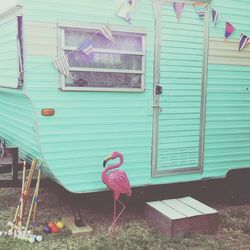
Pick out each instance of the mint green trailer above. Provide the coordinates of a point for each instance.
(197, 128)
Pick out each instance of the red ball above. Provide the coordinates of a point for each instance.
(51, 224)
(54, 229)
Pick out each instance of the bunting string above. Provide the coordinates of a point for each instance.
(244, 40)
(199, 8)
(124, 8)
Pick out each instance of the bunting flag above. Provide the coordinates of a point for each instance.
(124, 11)
(178, 8)
(62, 64)
(133, 3)
(229, 30)
(244, 41)
(200, 8)
(215, 17)
(86, 47)
(106, 32)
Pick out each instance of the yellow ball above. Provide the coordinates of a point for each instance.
(60, 225)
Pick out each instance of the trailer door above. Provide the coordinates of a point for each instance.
(179, 89)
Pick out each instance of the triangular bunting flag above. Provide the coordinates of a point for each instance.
(229, 30)
(244, 41)
(62, 64)
(215, 17)
(106, 32)
(86, 47)
(178, 8)
(124, 11)
(200, 8)
(133, 3)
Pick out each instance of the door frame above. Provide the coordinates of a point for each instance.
(157, 6)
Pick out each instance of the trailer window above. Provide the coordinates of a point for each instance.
(113, 66)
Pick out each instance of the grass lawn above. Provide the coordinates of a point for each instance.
(132, 231)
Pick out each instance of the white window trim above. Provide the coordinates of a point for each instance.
(10, 13)
(93, 27)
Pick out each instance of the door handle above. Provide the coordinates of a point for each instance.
(157, 107)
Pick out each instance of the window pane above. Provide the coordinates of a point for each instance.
(105, 60)
(73, 37)
(125, 41)
(103, 80)
(122, 42)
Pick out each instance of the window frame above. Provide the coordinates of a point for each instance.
(62, 25)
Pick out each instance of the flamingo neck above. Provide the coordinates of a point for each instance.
(104, 172)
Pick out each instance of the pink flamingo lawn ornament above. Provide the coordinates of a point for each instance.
(117, 181)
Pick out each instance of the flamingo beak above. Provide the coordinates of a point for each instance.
(106, 160)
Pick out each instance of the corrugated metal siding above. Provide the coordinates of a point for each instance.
(228, 118)
(87, 125)
(17, 123)
(181, 78)
(16, 113)
(234, 11)
(37, 43)
(228, 95)
(228, 53)
(8, 52)
(227, 121)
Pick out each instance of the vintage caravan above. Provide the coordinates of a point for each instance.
(168, 86)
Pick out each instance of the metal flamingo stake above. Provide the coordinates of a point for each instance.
(118, 182)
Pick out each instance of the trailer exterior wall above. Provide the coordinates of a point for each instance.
(8, 50)
(227, 97)
(89, 125)
(17, 123)
(182, 75)
(17, 117)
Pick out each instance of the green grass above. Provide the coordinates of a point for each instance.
(132, 231)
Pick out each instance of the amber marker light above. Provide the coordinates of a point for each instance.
(47, 112)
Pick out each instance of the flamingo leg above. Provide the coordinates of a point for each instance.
(115, 219)
(114, 210)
